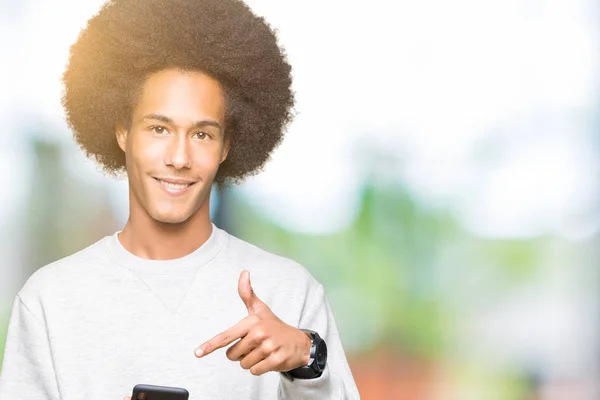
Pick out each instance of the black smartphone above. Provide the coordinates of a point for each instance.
(152, 392)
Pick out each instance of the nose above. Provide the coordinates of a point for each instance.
(178, 153)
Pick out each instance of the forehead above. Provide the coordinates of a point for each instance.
(182, 96)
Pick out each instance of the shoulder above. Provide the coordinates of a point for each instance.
(285, 285)
(52, 279)
(275, 272)
(263, 261)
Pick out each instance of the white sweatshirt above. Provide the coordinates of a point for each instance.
(96, 323)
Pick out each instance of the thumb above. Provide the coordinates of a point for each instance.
(253, 303)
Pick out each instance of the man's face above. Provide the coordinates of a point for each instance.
(175, 144)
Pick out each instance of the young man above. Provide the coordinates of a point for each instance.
(179, 94)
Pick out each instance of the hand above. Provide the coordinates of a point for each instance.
(267, 343)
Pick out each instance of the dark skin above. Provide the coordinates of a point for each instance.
(174, 147)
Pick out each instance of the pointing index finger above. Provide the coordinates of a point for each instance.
(226, 337)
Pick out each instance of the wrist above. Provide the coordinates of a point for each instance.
(316, 362)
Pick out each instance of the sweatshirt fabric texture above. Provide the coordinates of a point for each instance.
(96, 323)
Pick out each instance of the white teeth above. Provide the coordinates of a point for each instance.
(175, 186)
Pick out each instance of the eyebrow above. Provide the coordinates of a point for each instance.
(196, 124)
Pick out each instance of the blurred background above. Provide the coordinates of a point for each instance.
(440, 180)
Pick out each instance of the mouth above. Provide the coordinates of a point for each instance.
(174, 187)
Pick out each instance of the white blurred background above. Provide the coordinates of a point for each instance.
(440, 179)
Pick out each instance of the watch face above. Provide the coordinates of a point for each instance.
(321, 356)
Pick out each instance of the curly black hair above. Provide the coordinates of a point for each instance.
(127, 40)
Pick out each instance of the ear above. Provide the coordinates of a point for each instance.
(121, 134)
(226, 146)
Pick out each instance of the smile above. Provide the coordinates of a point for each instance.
(174, 188)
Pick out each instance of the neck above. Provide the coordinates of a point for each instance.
(147, 238)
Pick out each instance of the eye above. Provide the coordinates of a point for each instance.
(158, 129)
(201, 135)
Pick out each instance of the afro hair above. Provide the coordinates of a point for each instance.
(128, 40)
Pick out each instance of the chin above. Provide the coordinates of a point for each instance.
(170, 218)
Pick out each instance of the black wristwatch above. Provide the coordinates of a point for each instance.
(318, 359)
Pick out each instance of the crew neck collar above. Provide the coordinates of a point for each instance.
(203, 254)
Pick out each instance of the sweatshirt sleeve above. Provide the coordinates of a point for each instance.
(336, 382)
(27, 368)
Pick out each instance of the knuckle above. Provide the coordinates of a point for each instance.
(225, 339)
(277, 358)
(260, 335)
(245, 364)
(268, 346)
(230, 354)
